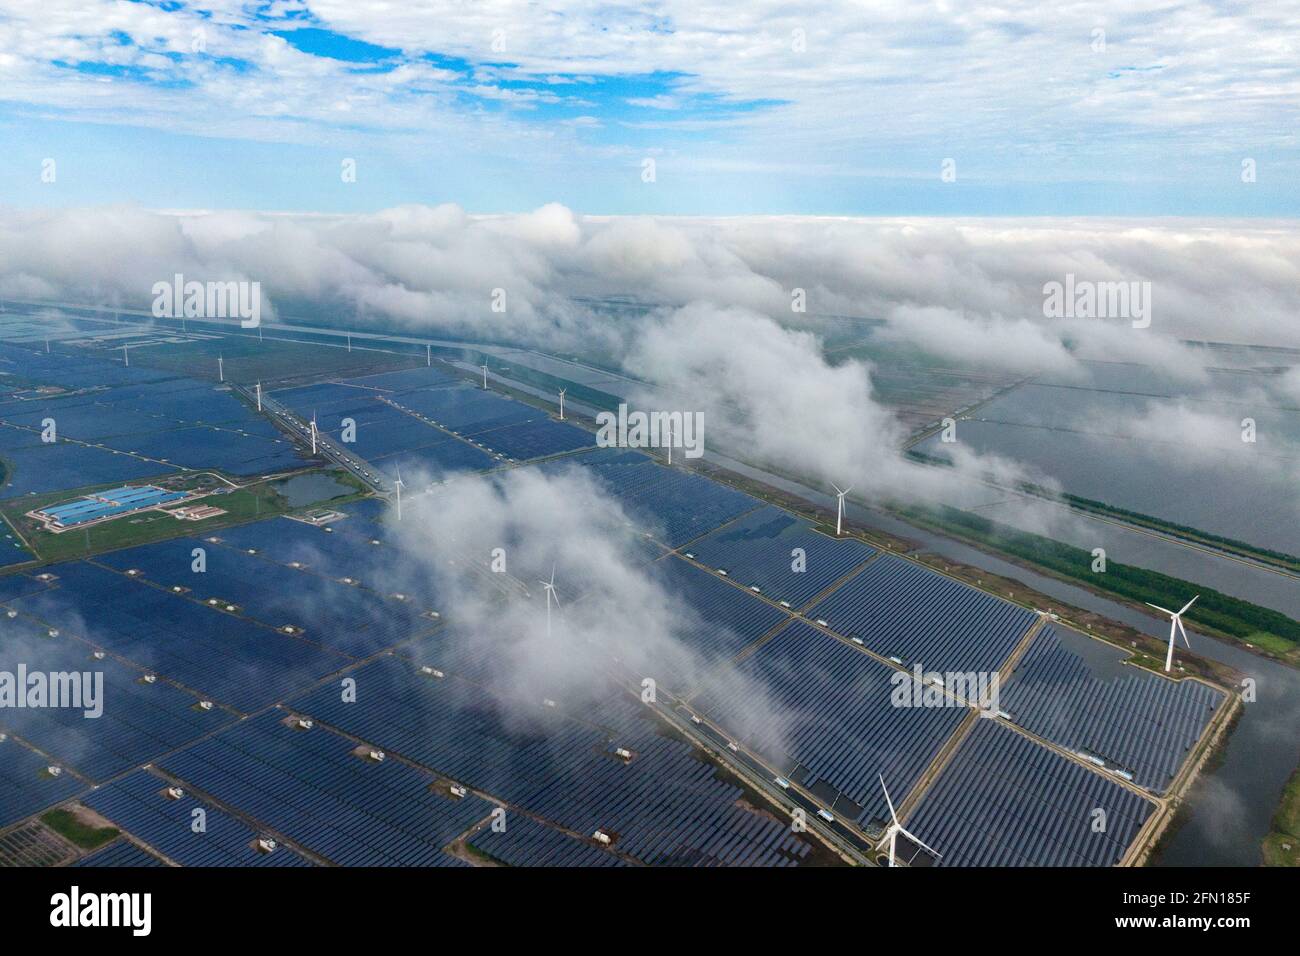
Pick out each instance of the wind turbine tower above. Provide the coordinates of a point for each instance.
(895, 828)
(549, 587)
(839, 507)
(1175, 626)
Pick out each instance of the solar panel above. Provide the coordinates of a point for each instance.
(1138, 722)
(1004, 800)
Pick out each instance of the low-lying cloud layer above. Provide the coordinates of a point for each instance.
(728, 316)
(971, 287)
(487, 546)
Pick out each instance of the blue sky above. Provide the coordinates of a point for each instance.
(773, 107)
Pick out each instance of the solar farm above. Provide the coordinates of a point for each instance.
(287, 679)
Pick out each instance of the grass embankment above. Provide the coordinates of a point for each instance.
(67, 825)
(1282, 846)
(1137, 519)
(1216, 613)
(1230, 545)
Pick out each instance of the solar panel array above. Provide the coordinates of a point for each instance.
(506, 428)
(667, 808)
(822, 712)
(405, 379)
(677, 505)
(26, 787)
(117, 424)
(715, 619)
(219, 655)
(533, 439)
(781, 554)
(663, 806)
(188, 830)
(272, 619)
(1005, 801)
(413, 420)
(349, 618)
(900, 609)
(136, 720)
(315, 788)
(12, 548)
(120, 853)
(525, 842)
(381, 434)
(37, 468)
(1138, 722)
(463, 409)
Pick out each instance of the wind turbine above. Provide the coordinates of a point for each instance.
(398, 485)
(221, 368)
(896, 828)
(562, 391)
(428, 354)
(259, 395)
(839, 509)
(549, 587)
(484, 368)
(126, 355)
(1175, 625)
(313, 431)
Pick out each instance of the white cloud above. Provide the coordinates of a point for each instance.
(720, 334)
(899, 83)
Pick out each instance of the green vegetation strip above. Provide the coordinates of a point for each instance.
(1279, 558)
(66, 824)
(1282, 846)
(1264, 627)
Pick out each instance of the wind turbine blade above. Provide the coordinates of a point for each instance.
(887, 800)
(847, 490)
(1184, 631)
(837, 488)
(915, 839)
(1159, 608)
(1188, 604)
